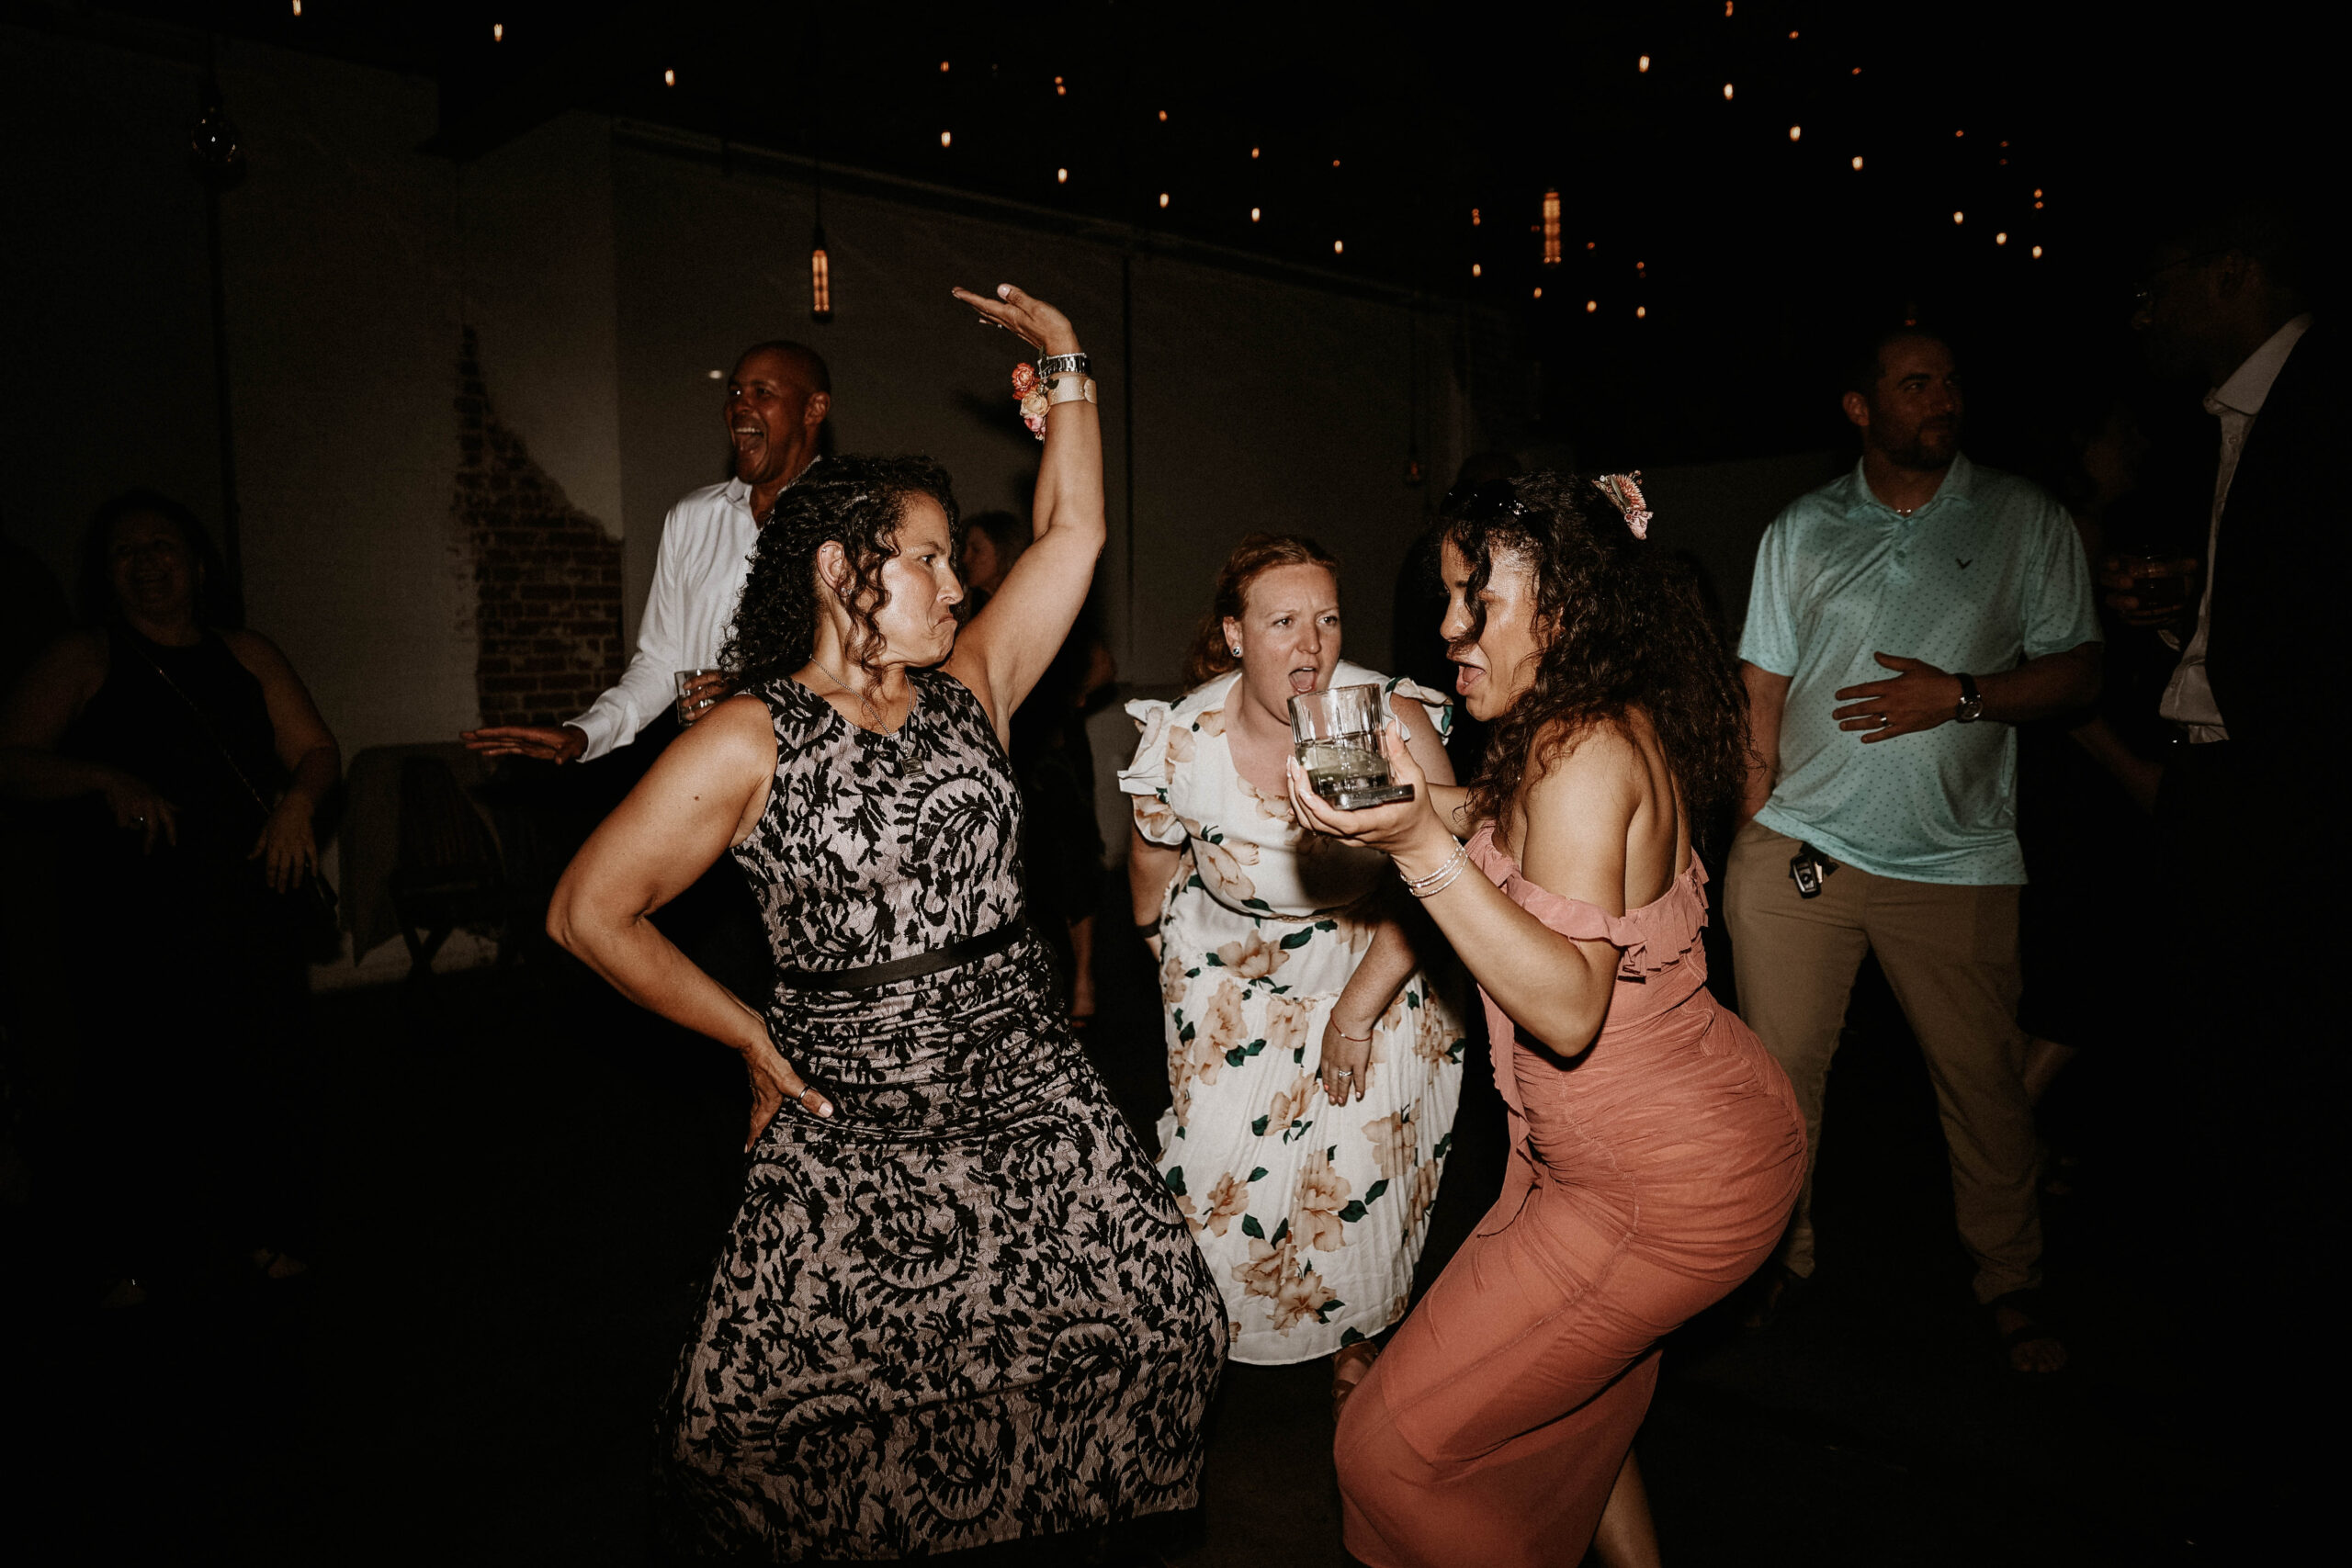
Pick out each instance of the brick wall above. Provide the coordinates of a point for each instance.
(546, 576)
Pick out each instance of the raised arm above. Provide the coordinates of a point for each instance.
(704, 793)
(1004, 652)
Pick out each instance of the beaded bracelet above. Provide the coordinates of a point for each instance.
(1440, 879)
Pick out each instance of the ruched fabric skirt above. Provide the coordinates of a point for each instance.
(1647, 1180)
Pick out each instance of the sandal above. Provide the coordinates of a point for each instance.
(1355, 1357)
(2030, 1330)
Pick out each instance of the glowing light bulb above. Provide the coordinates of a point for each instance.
(821, 279)
(2037, 253)
(1253, 215)
(1551, 228)
(1163, 199)
(1474, 218)
(1335, 162)
(947, 139)
(669, 78)
(1643, 63)
(1958, 216)
(1590, 305)
(1060, 91)
(1960, 133)
(298, 8)
(1538, 291)
(1061, 177)
(2001, 239)
(1641, 312)
(497, 29)
(719, 374)
(1253, 152)
(1858, 163)
(1163, 115)
(2037, 207)
(942, 65)
(1727, 92)
(1476, 271)
(1796, 132)
(1338, 247)
(1858, 69)
(2037, 195)
(1793, 37)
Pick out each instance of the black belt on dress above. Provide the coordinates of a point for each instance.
(897, 969)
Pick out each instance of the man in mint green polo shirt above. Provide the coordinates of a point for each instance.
(1902, 620)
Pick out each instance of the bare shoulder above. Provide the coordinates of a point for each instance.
(739, 732)
(256, 652)
(1581, 760)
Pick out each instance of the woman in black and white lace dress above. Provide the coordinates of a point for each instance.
(957, 1305)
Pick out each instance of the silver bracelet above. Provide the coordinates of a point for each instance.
(1451, 878)
(1062, 364)
(1453, 863)
(1355, 1039)
(1068, 387)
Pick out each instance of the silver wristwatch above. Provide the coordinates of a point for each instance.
(1061, 364)
(1972, 701)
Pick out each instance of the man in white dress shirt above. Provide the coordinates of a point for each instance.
(778, 401)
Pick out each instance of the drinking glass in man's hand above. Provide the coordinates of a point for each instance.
(1335, 734)
(697, 690)
(2159, 583)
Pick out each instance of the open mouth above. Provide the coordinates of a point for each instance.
(1303, 679)
(1466, 676)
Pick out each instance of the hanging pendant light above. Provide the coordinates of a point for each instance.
(821, 279)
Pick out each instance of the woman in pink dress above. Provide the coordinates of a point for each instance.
(1655, 1148)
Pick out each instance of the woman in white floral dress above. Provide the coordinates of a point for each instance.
(1314, 1069)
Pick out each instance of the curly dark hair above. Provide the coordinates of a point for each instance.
(1628, 631)
(1211, 655)
(856, 502)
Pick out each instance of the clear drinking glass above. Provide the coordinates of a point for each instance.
(697, 689)
(1337, 736)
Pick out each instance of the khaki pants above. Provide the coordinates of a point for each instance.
(1951, 954)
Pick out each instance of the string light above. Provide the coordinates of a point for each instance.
(1253, 152)
(1641, 312)
(2001, 239)
(1590, 305)
(1727, 92)
(2037, 253)
(1796, 132)
(1253, 215)
(1858, 163)
(947, 139)
(1958, 216)
(1589, 244)
(1538, 291)
(1858, 69)
(942, 65)
(1551, 228)
(1338, 247)
(1793, 37)
(1060, 91)
(1474, 218)
(1335, 162)
(497, 29)
(1960, 133)
(1643, 63)
(669, 78)
(1163, 116)
(1163, 199)
(1061, 177)
(1476, 271)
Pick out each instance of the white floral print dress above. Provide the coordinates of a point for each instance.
(1311, 1217)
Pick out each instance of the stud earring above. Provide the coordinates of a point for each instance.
(1237, 650)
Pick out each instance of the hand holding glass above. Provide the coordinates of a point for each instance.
(698, 689)
(1335, 734)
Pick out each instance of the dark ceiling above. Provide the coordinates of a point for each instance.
(1705, 240)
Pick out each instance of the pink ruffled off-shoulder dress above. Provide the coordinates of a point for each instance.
(1647, 1177)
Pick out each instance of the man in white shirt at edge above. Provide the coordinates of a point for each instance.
(777, 399)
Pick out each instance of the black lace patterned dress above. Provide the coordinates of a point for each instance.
(965, 1307)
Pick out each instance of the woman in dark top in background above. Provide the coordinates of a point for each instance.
(188, 761)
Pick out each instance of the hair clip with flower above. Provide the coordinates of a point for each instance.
(1626, 493)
